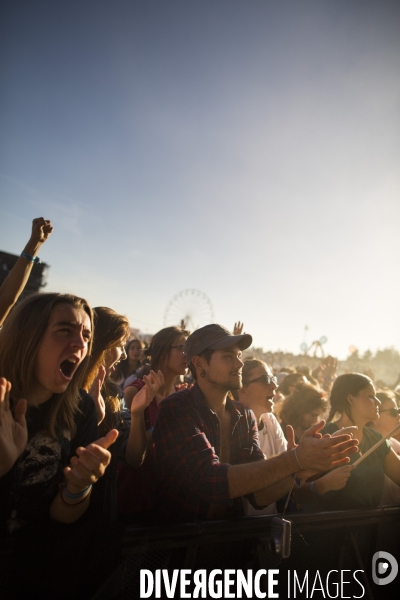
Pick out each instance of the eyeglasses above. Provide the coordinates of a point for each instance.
(265, 379)
(180, 348)
(394, 412)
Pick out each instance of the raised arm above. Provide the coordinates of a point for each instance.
(137, 441)
(15, 281)
(129, 393)
(328, 368)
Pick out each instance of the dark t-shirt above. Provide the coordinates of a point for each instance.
(365, 485)
(103, 502)
(28, 489)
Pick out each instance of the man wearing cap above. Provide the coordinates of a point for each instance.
(207, 449)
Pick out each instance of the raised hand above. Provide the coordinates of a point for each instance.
(95, 393)
(328, 367)
(41, 230)
(13, 430)
(238, 328)
(328, 372)
(17, 278)
(89, 464)
(319, 453)
(142, 399)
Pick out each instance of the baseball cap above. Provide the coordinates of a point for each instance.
(214, 337)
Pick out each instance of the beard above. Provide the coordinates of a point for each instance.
(234, 383)
(237, 382)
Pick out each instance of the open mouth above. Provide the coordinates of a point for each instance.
(68, 366)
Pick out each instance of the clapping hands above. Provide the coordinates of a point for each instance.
(142, 399)
(90, 463)
(13, 430)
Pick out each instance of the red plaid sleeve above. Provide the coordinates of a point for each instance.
(186, 456)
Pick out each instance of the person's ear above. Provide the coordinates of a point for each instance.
(199, 364)
(350, 399)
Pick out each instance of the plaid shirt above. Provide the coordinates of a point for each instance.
(187, 440)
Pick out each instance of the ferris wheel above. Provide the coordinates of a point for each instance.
(190, 309)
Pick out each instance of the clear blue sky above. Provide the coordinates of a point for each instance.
(246, 148)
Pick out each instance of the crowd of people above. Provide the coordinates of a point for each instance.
(97, 429)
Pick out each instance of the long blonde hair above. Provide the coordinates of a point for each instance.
(111, 329)
(20, 340)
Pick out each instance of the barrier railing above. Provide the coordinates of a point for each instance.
(331, 556)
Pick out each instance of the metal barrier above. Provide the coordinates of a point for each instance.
(331, 553)
(331, 557)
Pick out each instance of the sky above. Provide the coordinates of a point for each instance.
(249, 149)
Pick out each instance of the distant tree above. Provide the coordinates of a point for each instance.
(387, 355)
(367, 355)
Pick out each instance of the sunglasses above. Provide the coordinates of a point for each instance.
(265, 379)
(394, 412)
